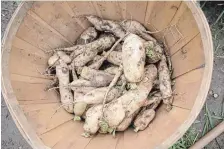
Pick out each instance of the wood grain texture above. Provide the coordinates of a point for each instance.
(32, 31)
(54, 15)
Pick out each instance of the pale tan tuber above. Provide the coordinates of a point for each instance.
(133, 57)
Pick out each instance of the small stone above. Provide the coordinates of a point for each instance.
(215, 95)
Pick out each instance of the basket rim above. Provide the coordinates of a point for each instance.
(21, 121)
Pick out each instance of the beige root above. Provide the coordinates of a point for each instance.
(98, 78)
(133, 58)
(136, 28)
(131, 101)
(106, 25)
(87, 36)
(165, 83)
(62, 72)
(153, 52)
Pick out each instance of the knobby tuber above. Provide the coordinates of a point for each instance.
(115, 57)
(143, 119)
(93, 115)
(106, 25)
(96, 96)
(62, 72)
(165, 82)
(136, 28)
(91, 50)
(131, 101)
(153, 52)
(98, 78)
(87, 36)
(133, 58)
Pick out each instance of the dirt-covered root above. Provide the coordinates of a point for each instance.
(89, 51)
(98, 78)
(62, 72)
(126, 122)
(115, 57)
(112, 70)
(165, 82)
(93, 115)
(143, 119)
(106, 25)
(133, 58)
(52, 61)
(153, 52)
(96, 96)
(87, 36)
(137, 28)
(131, 101)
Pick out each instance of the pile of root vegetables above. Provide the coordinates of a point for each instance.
(115, 75)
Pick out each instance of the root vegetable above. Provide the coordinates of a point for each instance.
(131, 101)
(165, 82)
(112, 70)
(126, 122)
(99, 45)
(115, 57)
(93, 115)
(62, 72)
(80, 83)
(133, 57)
(59, 55)
(53, 59)
(100, 62)
(87, 36)
(118, 48)
(79, 107)
(137, 28)
(95, 59)
(98, 78)
(106, 25)
(90, 50)
(153, 52)
(152, 100)
(96, 96)
(143, 119)
(62, 55)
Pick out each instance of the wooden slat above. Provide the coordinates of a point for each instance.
(45, 120)
(120, 142)
(21, 44)
(189, 57)
(27, 79)
(186, 87)
(108, 141)
(136, 10)
(158, 131)
(38, 35)
(27, 64)
(73, 139)
(161, 16)
(54, 15)
(108, 10)
(77, 8)
(52, 137)
(37, 107)
(122, 6)
(186, 25)
(33, 93)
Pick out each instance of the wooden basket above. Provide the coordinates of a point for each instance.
(39, 26)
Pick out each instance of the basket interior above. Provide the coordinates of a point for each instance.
(50, 25)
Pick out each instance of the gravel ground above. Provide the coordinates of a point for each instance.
(12, 139)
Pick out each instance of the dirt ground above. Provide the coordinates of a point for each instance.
(12, 139)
